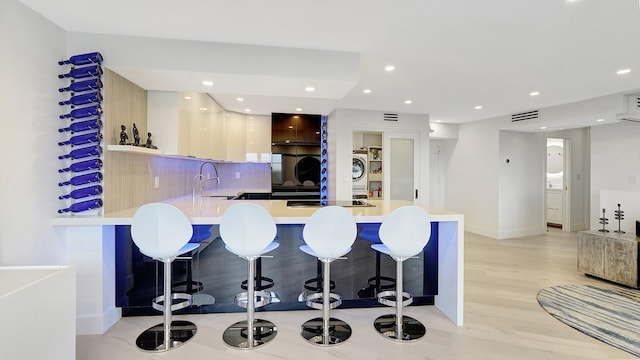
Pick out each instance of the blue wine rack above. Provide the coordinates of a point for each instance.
(324, 161)
(81, 134)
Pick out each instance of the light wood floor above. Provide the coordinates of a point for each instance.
(502, 317)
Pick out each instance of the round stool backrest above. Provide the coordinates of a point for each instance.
(247, 229)
(406, 231)
(160, 230)
(330, 232)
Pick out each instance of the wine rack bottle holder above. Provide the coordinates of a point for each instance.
(324, 161)
(81, 134)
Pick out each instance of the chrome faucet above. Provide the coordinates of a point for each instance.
(201, 180)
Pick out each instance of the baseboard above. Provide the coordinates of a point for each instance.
(97, 324)
(490, 233)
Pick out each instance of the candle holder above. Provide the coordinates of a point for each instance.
(619, 215)
(604, 221)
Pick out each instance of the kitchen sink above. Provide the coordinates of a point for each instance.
(321, 203)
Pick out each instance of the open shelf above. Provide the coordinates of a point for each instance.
(134, 149)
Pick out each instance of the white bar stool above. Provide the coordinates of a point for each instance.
(404, 234)
(248, 231)
(162, 232)
(329, 234)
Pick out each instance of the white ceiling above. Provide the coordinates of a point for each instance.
(449, 55)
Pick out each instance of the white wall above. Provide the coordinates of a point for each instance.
(521, 190)
(30, 48)
(473, 176)
(440, 153)
(473, 173)
(615, 164)
(342, 124)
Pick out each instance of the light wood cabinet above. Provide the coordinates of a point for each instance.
(610, 256)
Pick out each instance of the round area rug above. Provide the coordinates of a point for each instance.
(611, 315)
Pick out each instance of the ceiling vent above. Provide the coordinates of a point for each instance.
(390, 117)
(633, 109)
(528, 115)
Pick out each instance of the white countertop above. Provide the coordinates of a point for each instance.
(209, 210)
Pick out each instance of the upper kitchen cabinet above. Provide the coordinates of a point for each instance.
(194, 124)
(201, 127)
(295, 129)
(258, 147)
(247, 138)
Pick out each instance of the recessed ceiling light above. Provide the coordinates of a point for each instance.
(203, 109)
(247, 110)
(207, 83)
(408, 102)
(309, 89)
(599, 120)
(240, 99)
(534, 93)
(389, 68)
(367, 91)
(438, 121)
(187, 97)
(543, 127)
(478, 107)
(623, 71)
(298, 109)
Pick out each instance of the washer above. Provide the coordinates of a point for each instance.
(359, 174)
(308, 169)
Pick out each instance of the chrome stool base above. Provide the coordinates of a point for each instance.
(152, 339)
(412, 329)
(339, 331)
(236, 334)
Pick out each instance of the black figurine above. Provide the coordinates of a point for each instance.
(149, 142)
(123, 135)
(136, 136)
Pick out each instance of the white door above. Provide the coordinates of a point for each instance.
(401, 166)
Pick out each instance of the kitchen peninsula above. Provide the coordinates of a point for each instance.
(90, 243)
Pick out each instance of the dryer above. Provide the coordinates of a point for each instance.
(359, 174)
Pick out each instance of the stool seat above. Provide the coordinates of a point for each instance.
(272, 246)
(183, 250)
(162, 232)
(308, 250)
